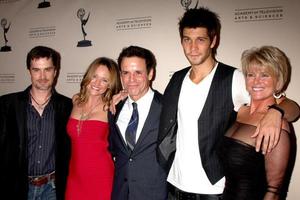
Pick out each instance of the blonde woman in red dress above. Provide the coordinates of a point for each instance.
(91, 167)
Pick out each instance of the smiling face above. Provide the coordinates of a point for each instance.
(196, 45)
(135, 77)
(99, 81)
(260, 82)
(42, 73)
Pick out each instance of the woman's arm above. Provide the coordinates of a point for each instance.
(276, 163)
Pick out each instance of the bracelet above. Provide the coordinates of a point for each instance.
(274, 106)
(274, 190)
(275, 193)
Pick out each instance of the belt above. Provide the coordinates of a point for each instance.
(41, 180)
(181, 195)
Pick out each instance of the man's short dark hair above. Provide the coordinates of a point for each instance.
(43, 52)
(140, 52)
(202, 18)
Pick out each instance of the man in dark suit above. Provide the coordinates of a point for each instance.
(34, 146)
(134, 129)
(200, 104)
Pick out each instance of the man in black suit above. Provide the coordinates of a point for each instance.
(134, 129)
(34, 146)
(200, 104)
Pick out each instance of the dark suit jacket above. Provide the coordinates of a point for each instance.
(13, 144)
(138, 176)
(216, 117)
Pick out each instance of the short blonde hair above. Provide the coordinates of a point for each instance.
(273, 59)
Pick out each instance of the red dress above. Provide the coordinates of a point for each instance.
(91, 167)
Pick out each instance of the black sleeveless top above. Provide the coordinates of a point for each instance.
(244, 170)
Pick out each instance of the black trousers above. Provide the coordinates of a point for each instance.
(176, 194)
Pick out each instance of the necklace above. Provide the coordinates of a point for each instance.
(40, 106)
(83, 117)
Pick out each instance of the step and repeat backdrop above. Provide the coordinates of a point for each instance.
(82, 30)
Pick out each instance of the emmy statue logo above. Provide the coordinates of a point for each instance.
(80, 15)
(186, 4)
(44, 4)
(5, 30)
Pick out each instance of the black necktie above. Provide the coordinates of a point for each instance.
(130, 133)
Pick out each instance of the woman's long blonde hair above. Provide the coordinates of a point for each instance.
(114, 84)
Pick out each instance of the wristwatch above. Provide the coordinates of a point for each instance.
(274, 106)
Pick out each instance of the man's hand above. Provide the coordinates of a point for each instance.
(116, 99)
(268, 131)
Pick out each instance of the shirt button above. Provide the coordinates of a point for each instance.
(40, 146)
(38, 162)
(130, 159)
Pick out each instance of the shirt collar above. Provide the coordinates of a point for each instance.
(142, 101)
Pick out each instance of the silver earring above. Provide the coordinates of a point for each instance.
(278, 95)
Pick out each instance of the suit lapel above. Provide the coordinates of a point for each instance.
(151, 122)
(171, 103)
(118, 132)
(21, 118)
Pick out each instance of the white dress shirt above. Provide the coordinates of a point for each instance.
(143, 106)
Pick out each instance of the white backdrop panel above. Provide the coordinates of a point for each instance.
(114, 24)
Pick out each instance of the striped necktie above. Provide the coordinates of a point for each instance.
(130, 133)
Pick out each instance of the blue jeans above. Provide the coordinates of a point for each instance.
(43, 192)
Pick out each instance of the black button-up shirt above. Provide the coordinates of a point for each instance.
(40, 140)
